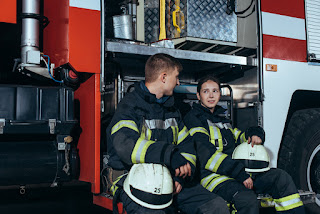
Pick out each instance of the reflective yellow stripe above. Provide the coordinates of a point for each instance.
(193, 131)
(267, 202)
(124, 123)
(148, 134)
(205, 181)
(190, 157)
(183, 134)
(236, 133)
(288, 203)
(114, 186)
(139, 151)
(215, 161)
(215, 134)
(175, 134)
(214, 182)
(243, 138)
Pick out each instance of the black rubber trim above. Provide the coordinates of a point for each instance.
(151, 198)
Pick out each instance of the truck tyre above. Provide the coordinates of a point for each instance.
(299, 153)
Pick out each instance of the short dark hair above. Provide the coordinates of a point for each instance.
(205, 79)
(158, 63)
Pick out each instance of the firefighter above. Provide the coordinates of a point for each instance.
(215, 141)
(147, 128)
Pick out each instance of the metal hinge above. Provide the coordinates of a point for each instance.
(2, 124)
(52, 125)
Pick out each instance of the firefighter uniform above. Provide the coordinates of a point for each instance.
(215, 141)
(145, 129)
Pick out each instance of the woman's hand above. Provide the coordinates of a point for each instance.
(248, 183)
(254, 140)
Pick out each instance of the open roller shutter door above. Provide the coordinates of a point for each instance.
(313, 28)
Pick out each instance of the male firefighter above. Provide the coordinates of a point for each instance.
(215, 141)
(147, 128)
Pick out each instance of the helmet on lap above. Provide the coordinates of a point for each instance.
(149, 185)
(255, 159)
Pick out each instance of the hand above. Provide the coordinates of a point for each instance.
(248, 183)
(183, 171)
(177, 187)
(254, 140)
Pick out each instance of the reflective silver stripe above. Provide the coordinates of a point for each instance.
(287, 203)
(198, 129)
(216, 160)
(267, 202)
(215, 130)
(236, 133)
(243, 138)
(219, 125)
(205, 181)
(139, 151)
(227, 126)
(125, 123)
(148, 134)
(216, 182)
(190, 157)
(183, 134)
(160, 124)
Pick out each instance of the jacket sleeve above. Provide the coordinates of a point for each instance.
(209, 157)
(131, 144)
(185, 145)
(241, 136)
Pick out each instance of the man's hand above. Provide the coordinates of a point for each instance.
(254, 140)
(183, 171)
(177, 187)
(248, 183)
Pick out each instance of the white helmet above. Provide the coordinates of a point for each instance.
(149, 185)
(255, 159)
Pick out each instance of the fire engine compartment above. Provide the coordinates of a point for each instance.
(234, 63)
(38, 117)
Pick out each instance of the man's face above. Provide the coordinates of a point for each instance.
(172, 80)
(209, 95)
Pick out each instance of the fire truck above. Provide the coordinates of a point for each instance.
(66, 64)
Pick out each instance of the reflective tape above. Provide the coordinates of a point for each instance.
(288, 203)
(215, 134)
(205, 181)
(146, 133)
(124, 123)
(236, 132)
(215, 161)
(243, 138)
(190, 157)
(195, 130)
(160, 124)
(114, 187)
(212, 181)
(175, 131)
(183, 134)
(267, 202)
(140, 149)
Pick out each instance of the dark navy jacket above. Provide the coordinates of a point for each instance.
(215, 140)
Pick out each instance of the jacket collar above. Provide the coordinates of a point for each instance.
(218, 110)
(144, 93)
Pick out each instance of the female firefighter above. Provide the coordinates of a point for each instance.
(215, 140)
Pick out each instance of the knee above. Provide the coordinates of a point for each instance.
(216, 205)
(246, 199)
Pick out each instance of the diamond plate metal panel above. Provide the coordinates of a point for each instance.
(203, 19)
(208, 19)
(151, 20)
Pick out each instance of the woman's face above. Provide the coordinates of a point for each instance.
(209, 95)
